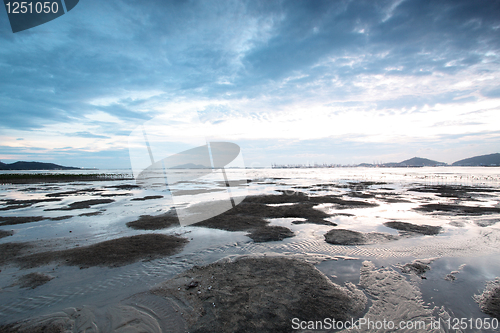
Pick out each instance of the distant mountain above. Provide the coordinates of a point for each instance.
(22, 165)
(483, 160)
(418, 161)
(412, 162)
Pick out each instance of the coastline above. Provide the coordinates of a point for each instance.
(289, 217)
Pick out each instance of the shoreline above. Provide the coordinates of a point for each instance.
(286, 217)
(25, 178)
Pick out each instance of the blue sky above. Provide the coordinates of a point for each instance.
(289, 81)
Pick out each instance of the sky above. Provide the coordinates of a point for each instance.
(290, 82)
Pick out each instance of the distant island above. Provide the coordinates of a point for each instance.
(22, 165)
(483, 160)
(415, 162)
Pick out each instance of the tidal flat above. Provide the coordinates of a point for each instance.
(104, 255)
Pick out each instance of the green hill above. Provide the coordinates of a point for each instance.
(22, 165)
(483, 160)
(414, 162)
(418, 161)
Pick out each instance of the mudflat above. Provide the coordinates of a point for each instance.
(260, 294)
(112, 253)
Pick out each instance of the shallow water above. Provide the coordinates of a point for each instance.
(465, 239)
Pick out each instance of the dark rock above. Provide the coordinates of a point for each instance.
(345, 237)
(148, 222)
(270, 233)
(350, 237)
(489, 300)
(419, 267)
(410, 227)
(192, 284)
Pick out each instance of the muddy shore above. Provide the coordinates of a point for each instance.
(489, 300)
(5, 233)
(26, 178)
(350, 237)
(413, 228)
(259, 294)
(244, 293)
(112, 253)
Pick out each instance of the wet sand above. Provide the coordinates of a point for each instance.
(16, 204)
(91, 213)
(349, 237)
(249, 215)
(360, 220)
(83, 204)
(252, 214)
(409, 227)
(149, 197)
(489, 300)
(270, 234)
(262, 294)
(13, 220)
(454, 191)
(459, 209)
(5, 233)
(33, 280)
(245, 294)
(10, 251)
(112, 253)
(75, 192)
(124, 187)
(419, 267)
(258, 294)
(26, 178)
(148, 222)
